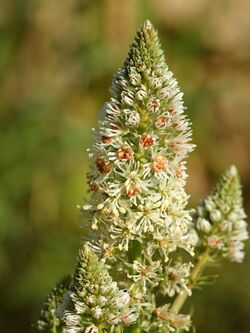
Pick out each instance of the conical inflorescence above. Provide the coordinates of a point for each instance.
(94, 303)
(137, 178)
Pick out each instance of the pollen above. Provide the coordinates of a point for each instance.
(162, 121)
(102, 165)
(159, 163)
(94, 187)
(146, 140)
(124, 153)
(106, 139)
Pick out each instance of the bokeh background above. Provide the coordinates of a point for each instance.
(56, 62)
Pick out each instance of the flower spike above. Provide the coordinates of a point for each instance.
(94, 303)
(49, 322)
(221, 218)
(138, 171)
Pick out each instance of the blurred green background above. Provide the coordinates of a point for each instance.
(56, 62)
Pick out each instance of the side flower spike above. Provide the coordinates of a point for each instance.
(48, 321)
(220, 218)
(94, 302)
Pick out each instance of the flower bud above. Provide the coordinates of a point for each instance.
(91, 329)
(133, 118)
(96, 312)
(203, 225)
(128, 98)
(141, 94)
(134, 76)
(215, 215)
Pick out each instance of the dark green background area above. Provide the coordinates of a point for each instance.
(56, 63)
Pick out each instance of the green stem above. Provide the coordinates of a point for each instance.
(134, 253)
(54, 330)
(197, 271)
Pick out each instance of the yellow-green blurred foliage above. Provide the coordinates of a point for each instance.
(56, 62)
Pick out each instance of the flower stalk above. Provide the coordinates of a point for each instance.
(195, 274)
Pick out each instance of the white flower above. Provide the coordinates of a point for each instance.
(240, 224)
(146, 273)
(164, 243)
(224, 208)
(181, 146)
(110, 130)
(138, 178)
(148, 217)
(178, 278)
(123, 232)
(159, 164)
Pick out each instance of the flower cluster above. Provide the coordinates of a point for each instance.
(220, 218)
(94, 302)
(138, 170)
(143, 234)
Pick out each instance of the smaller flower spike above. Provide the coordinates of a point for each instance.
(48, 321)
(220, 218)
(94, 302)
